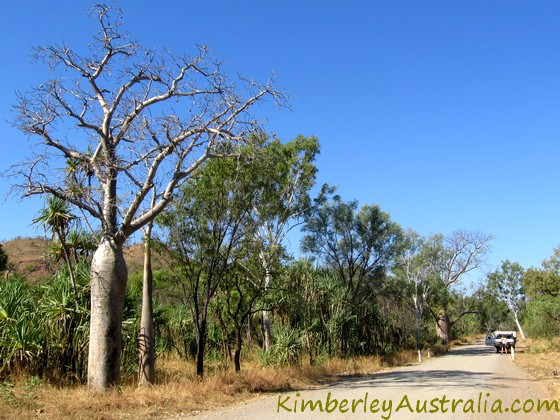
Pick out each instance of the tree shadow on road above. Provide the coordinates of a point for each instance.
(421, 376)
(416, 379)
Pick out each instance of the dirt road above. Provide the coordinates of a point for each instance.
(471, 382)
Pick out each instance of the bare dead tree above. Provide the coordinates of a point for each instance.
(463, 252)
(129, 119)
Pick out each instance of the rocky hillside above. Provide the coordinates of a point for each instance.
(27, 256)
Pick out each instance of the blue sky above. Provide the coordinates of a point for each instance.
(445, 113)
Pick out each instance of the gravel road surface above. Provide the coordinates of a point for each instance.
(471, 382)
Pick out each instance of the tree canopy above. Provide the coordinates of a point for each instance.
(117, 123)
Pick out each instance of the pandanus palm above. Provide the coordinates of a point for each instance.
(20, 328)
(56, 217)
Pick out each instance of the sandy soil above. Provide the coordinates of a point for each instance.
(468, 382)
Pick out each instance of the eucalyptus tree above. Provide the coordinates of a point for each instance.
(542, 287)
(359, 245)
(507, 284)
(130, 118)
(206, 226)
(417, 267)
(492, 313)
(287, 173)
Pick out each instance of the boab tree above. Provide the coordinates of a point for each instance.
(131, 119)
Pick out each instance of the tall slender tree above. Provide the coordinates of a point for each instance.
(206, 226)
(360, 246)
(144, 118)
(417, 266)
(287, 173)
(506, 283)
(146, 336)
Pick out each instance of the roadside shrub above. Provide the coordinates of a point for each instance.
(286, 349)
(542, 317)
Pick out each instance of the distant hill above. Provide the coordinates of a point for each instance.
(27, 256)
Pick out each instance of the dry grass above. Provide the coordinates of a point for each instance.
(541, 359)
(178, 390)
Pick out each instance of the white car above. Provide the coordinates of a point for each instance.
(501, 339)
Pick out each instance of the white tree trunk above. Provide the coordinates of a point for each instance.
(518, 325)
(418, 333)
(267, 331)
(108, 285)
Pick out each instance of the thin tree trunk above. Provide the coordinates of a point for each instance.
(146, 338)
(518, 325)
(267, 331)
(249, 325)
(418, 331)
(310, 349)
(66, 257)
(70, 272)
(237, 354)
(108, 285)
(200, 344)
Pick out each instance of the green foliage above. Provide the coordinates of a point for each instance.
(174, 330)
(542, 287)
(43, 329)
(543, 317)
(206, 225)
(67, 321)
(540, 283)
(222, 241)
(55, 216)
(286, 349)
(506, 284)
(360, 245)
(492, 313)
(21, 334)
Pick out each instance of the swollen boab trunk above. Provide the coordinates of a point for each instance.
(108, 284)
